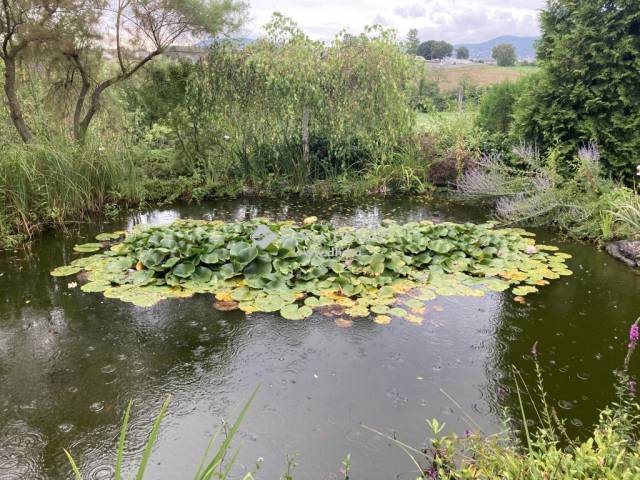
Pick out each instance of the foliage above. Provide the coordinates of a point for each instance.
(532, 192)
(504, 54)
(413, 42)
(211, 466)
(286, 111)
(45, 184)
(462, 53)
(435, 49)
(588, 91)
(259, 266)
(69, 36)
(625, 212)
(496, 107)
(611, 452)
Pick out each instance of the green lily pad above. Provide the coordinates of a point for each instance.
(87, 247)
(65, 271)
(294, 312)
(95, 287)
(105, 237)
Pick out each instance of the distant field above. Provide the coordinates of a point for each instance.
(449, 77)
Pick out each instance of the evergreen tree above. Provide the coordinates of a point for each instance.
(589, 90)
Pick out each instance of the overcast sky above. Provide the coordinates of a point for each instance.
(457, 21)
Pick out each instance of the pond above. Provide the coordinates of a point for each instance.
(70, 361)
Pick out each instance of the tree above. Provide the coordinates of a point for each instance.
(588, 89)
(413, 42)
(25, 24)
(504, 54)
(462, 53)
(435, 49)
(496, 107)
(73, 31)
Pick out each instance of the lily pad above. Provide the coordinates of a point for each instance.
(294, 312)
(87, 247)
(65, 271)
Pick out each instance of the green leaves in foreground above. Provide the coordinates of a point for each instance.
(209, 467)
(391, 270)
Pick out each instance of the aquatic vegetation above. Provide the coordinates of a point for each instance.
(294, 269)
(216, 466)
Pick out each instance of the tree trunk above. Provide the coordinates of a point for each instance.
(12, 99)
(305, 138)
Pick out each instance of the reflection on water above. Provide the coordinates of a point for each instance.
(70, 361)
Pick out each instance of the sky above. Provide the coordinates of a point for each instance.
(456, 21)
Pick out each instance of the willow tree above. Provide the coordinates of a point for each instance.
(81, 31)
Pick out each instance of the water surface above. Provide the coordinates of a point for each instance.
(70, 361)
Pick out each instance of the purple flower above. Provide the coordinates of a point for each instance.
(632, 387)
(634, 333)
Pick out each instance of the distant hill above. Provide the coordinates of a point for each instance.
(525, 47)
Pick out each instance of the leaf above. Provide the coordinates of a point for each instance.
(184, 270)
(87, 247)
(65, 271)
(94, 287)
(105, 237)
(343, 323)
(270, 303)
(226, 306)
(441, 246)
(382, 319)
(294, 312)
(524, 291)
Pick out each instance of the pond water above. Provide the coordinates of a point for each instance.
(70, 361)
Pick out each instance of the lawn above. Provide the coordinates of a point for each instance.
(449, 77)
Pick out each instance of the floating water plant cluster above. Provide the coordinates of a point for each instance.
(294, 269)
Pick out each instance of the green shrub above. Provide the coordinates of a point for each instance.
(496, 107)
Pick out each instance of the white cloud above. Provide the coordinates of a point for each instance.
(456, 21)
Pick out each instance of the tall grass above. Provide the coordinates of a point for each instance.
(51, 183)
(211, 466)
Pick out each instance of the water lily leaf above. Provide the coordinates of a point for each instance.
(343, 323)
(226, 306)
(87, 247)
(382, 319)
(294, 312)
(94, 287)
(184, 270)
(415, 319)
(201, 275)
(105, 237)
(357, 311)
(441, 246)
(524, 290)
(143, 277)
(397, 312)
(242, 294)
(270, 303)
(152, 258)
(65, 271)
(381, 309)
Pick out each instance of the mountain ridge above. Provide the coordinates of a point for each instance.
(525, 47)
